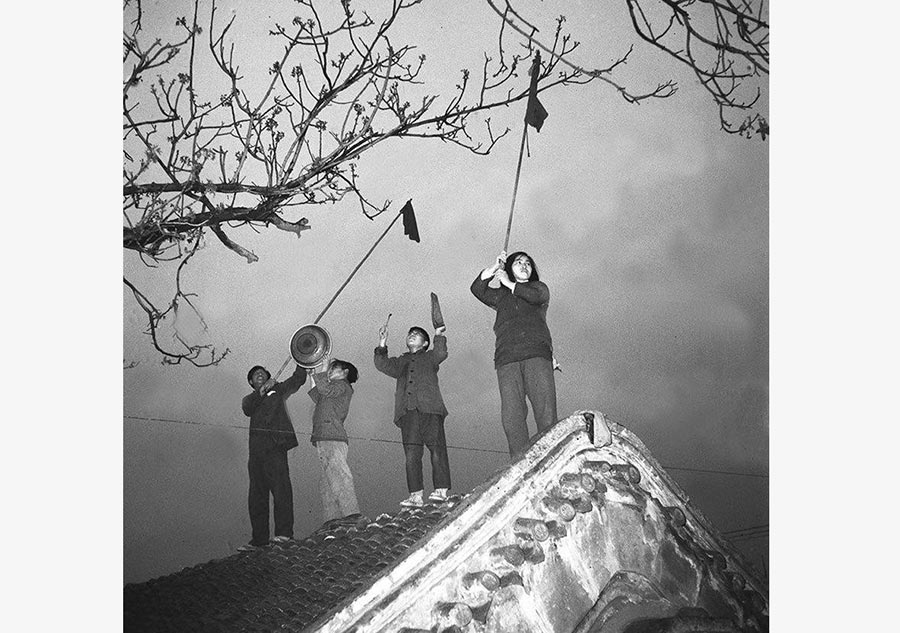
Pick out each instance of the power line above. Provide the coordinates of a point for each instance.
(460, 448)
(748, 537)
(751, 537)
(747, 534)
(387, 441)
(752, 528)
(743, 534)
(750, 534)
(351, 437)
(718, 472)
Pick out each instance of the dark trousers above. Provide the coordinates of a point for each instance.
(419, 428)
(531, 378)
(269, 475)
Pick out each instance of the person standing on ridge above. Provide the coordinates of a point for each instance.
(523, 355)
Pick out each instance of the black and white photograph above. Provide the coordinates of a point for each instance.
(451, 316)
(522, 243)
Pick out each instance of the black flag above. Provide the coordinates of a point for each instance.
(409, 221)
(437, 319)
(535, 112)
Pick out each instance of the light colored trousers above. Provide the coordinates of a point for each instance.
(336, 484)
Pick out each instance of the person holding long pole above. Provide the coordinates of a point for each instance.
(523, 355)
(524, 351)
(272, 433)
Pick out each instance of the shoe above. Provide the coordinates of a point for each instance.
(439, 495)
(413, 501)
(281, 539)
(248, 547)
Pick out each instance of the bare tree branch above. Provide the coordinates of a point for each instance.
(558, 56)
(197, 354)
(725, 43)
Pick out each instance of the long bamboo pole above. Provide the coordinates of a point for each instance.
(344, 285)
(512, 206)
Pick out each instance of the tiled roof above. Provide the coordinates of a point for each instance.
(600, 534)
(281, 586)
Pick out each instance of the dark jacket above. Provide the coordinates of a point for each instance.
(332, 400)
(521, 323)
(270, 424)
(417, 381)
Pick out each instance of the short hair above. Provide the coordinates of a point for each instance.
(509, 262)
(352, 372)
(253, 369)
(421, 331)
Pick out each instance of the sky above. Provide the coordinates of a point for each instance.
(649, 225)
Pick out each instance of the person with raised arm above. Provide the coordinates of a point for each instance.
(332, 390)
(419, 409)
(523, 355)
(271, 437)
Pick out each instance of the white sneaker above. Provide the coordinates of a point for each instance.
(248, 547)
(439, 494)
(413, 501)
(281, 539)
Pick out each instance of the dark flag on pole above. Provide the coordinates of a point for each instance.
(409, 222)
(535, 112)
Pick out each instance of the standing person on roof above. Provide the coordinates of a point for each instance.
(271, 437)
(332, 390)
(524, 352)
(419, 409)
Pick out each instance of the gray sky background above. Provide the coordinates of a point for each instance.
(649, 225)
